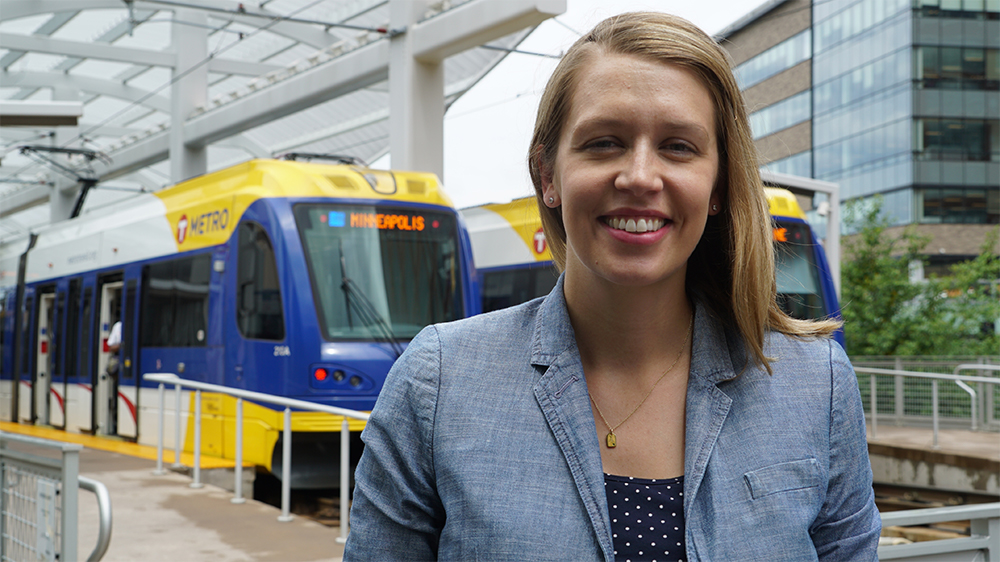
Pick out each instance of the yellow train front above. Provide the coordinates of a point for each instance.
(294, 279)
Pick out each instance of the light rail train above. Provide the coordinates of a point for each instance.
(296, 279)
(514, 263)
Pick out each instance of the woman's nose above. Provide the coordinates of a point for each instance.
(640, 172)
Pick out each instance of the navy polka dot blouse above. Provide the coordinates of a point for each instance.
(647, 518)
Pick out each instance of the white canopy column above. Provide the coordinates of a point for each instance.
(189, 90)
(416, 96)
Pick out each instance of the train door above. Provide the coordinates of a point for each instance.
(45, 343)
(105, 377)
(67, 320)
(26, 364)
(57, 361)
(80, 404)
(127, 423)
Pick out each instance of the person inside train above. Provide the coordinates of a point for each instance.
(657, 404)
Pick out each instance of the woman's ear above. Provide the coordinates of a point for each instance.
(550, 194)
(714, 207)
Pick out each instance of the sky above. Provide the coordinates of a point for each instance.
(486, 132)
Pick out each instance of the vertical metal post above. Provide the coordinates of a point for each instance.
(238, 469)
(934, 405)
(197, 440)
(159, 440)
(899, 393)
(286, 468)
(874, 401)
(70, 506)
(177, 426)
(345, 480)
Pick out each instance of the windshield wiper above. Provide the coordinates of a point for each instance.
(366, 309)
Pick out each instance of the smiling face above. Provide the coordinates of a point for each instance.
(635, 170)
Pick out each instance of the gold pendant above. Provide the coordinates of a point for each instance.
(612, 440)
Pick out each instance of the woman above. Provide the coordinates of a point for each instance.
(657, 404)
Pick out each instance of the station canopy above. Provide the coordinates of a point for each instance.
(114, 58)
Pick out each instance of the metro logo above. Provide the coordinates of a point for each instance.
(200, 226)
(540, 244)
(182, 229)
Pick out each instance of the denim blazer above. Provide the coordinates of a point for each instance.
(482, 446)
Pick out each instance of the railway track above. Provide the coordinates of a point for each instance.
(898, 498)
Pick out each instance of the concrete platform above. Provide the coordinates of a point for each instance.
(161, 518)
(964, 461)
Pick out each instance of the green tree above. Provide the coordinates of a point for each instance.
(973, 304)
(887, 314)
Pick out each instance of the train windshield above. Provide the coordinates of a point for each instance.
(800, 293)
(380, 273)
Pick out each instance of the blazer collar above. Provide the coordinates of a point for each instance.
(553, 334)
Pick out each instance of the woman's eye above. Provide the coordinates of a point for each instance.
(600, 144)
(679, 147)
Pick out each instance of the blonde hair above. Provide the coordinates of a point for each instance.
(733, 263)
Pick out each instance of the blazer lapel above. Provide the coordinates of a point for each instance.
(706, 406)
(562, 395)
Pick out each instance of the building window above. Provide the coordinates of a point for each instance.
(848, 22)
(958, 205)
(797, 165)
(862, 82)
(956, 68)
(963, 9)
(175, 302)
(259, 311)
(781, 115)
(781, 57)
(969, 140)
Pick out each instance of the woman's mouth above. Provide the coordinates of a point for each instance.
(635, 224)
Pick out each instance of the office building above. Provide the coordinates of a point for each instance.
(897, 98)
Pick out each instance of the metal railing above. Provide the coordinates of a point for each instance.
(38, 518)
(982, 544)
(906, 402)
(286, 452)
(935, 378)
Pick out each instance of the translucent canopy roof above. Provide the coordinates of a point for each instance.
(116, 57)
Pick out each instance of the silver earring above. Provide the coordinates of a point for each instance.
(715, 208)
(552, 200)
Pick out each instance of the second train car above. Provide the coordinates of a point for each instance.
(295, 279)
(514, 263)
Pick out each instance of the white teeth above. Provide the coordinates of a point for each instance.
(636, 225)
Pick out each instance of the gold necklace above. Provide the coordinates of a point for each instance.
(612, 440)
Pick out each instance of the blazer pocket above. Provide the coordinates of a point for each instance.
(783, 477)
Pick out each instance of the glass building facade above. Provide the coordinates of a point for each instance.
(903, 98)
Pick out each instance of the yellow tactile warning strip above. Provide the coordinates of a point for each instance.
(113, 445)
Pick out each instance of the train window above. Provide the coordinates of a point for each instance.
(175, 302)
(259, 312)
(72, 328)
(508, 287)
(85, 329)
(380, 272)
(799, 291)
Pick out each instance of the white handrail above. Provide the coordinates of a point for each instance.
(970, 390)
(104, 514)
(935, 377)
(240, 395)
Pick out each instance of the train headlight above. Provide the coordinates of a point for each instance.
(339, 375)
(321, 374)
(355, 381)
